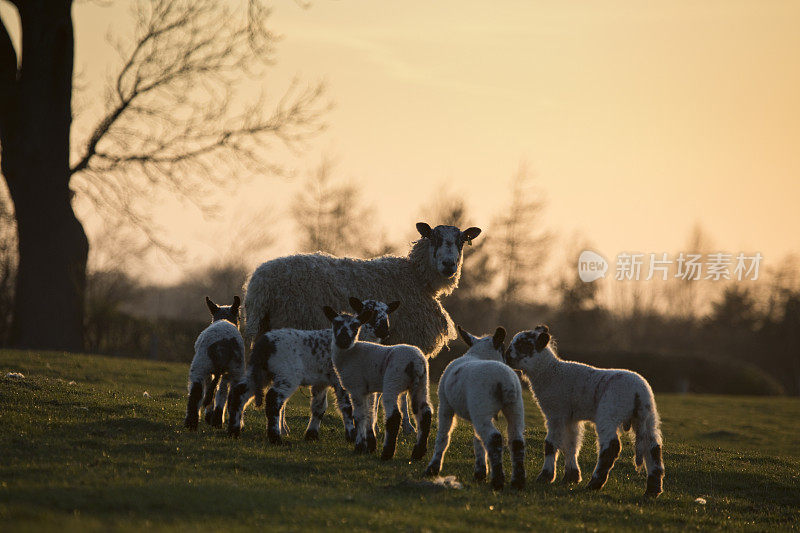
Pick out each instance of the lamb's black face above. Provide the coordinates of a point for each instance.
(345, 330)
(527, 344)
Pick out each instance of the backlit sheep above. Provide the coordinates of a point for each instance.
(218, 360)
(570, 393)
(476, 387)
(365, 368)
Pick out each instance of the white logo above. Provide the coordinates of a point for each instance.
(591, 266)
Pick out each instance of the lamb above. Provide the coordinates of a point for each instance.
(570, 393)
(292, 358)
(218, 360)
(476, 387)
(288, 291)
(365, 368)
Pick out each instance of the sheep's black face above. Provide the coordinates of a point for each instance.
(446, 246)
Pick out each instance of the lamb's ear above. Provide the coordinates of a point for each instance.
(356, 304)
(469, 339)
(542, 341)
(236, 303)
(499, 337)
(392, 307)
(365, 316)
(470, 233)
(329, 312)
(425, 230)
(211, 305)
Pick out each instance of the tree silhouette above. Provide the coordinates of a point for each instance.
(171, 122)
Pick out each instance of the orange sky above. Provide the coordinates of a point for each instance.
(639, 119)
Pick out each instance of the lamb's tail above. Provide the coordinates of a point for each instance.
(256, 306)
(646, 426)
(259, 367)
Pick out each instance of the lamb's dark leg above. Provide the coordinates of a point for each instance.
(389, 400)
(609, 451)
(423, 415)
(655, 472)
(553, 438)
(210, 388)
(319, 403)
(446, 424)
(220, 400)
(481, 468)
(345, 407)
(193, 405)
(493, 441)
(372, 442)
(273, 406)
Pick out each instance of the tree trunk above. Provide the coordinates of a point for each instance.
(35, 120)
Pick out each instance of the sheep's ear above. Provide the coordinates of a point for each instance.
(329, 312)
(499, 337)
(236, 303)
(542, 341)
(470, 233)
(356, 304)
(392, 307)
(424, 230)
(211, 305)
(365, 316)
(469, 339)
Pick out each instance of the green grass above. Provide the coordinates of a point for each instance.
(96, 454)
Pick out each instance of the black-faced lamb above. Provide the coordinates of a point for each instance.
(476, 387)
(570, 393)
(218, 361)
(291, 358)
(365, 368)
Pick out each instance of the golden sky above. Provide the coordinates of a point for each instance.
(639, 119)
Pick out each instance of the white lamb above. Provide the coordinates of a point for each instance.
(365, 368)
(476, 387)
(570, 393)
(218, 360)
(292, 358)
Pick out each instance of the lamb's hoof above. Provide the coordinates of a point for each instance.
(546, 476)
(274, 438)
(360, 447)
(431, 471)
(311, 434)
(418, 452)
(498, 481)
(652, 494)
(234, 431)
(387, 453)
(479, 475)
(518, 482)
(571, 475)
(216, 418)
(350, 435)
(654, 486)
(191, 423)
(209, 416)
(595, 484)
(372, 444)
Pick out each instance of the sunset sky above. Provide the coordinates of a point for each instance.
(638, 119)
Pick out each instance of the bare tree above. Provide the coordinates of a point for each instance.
(170, 124)
(331, 217)
(522, 246)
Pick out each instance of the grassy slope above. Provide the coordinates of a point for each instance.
(96, 453)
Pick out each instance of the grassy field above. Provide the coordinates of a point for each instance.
(82, 447)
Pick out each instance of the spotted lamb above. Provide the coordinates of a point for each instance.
(570, 393)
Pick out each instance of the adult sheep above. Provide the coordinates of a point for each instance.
(288, 292)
